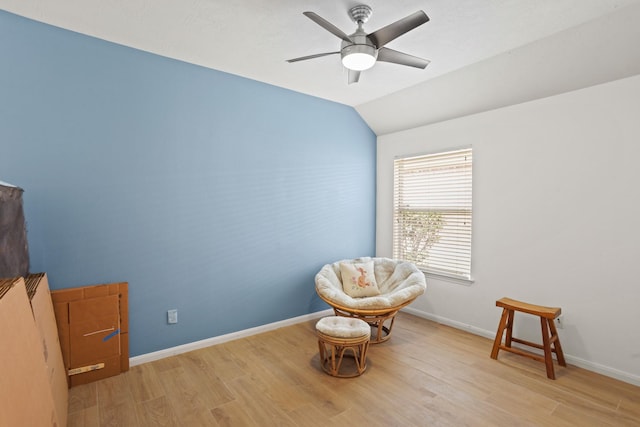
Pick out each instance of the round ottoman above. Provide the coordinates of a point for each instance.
(337, 335)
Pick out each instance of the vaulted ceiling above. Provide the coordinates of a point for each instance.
(253, 38)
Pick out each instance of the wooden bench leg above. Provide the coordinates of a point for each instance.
(501, 327)
(508, 338)
(557, 347)
(546, 345)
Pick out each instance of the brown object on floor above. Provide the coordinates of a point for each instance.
(550, 339)
(37, 286)
(26, 390)
(93, 326)
(337, 335)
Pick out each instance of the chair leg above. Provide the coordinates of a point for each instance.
(379, 325)
(557, 347)
(508, 337)
(360, 356)
(501, 326)
(546, 344)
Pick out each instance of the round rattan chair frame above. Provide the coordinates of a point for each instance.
(380, 319)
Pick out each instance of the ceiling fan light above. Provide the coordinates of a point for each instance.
(358, 57)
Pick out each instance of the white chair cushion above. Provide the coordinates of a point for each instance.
(343, 327)
(398, 282)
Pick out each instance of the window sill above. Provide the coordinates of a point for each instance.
(457, 280)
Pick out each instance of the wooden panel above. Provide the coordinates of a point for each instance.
(93, 325)
(94, 330)
(111, 368)
(124, 352)
(66, 295)
(97, 291)
(123, 291)
(93, 308)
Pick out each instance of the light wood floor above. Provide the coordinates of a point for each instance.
(425, 375)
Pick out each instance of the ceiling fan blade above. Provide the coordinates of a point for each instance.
(389, 55)
(327, 26)
(354, 76)
(392, 31)
(317, 55)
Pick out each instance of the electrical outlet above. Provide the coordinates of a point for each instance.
(172, 316)
(559, 322)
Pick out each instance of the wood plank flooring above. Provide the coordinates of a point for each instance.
(426, 375)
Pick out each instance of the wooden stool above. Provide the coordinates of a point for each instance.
(338, 334)
(550, 343)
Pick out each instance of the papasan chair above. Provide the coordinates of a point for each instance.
(374, 290)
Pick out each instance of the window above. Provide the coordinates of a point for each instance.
(432, 212)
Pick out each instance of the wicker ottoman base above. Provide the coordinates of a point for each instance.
(340, 338)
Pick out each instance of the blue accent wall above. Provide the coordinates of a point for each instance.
(212, 194)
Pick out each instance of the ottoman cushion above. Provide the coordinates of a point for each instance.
(343, 327)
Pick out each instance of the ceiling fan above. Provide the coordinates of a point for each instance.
(360, 51)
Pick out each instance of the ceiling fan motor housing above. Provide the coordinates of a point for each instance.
(359, 55)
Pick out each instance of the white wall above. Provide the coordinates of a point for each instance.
(556, 219)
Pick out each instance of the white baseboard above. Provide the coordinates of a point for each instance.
(184, 348)
(453, 323)
(573, 360)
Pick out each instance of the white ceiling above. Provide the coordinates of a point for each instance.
(253, 38)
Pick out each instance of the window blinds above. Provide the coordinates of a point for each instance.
(432, 212)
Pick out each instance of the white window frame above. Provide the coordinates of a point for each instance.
(432, 212)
